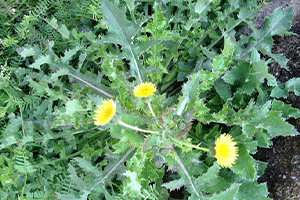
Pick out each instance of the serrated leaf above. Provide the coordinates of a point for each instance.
(26, 139)
(86, 166)
(276, 24)
(248, 190)
(222, 89)
(26, 51)
(244, 165)
(227, 194)
(100, 89)
(61, 72)
(277, 126)
(73, 106)
(189, 96)
(202, 7)
(121, 31)
(292, 85)
(174, 185)
(69, 53)
(74, 178)
(286, 109)
(44, 59)
(63, 30)
(238, 74)
(53, 23)
(134, 184)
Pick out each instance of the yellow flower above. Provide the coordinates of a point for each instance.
(226, 151)
(144, 89)
(105, 112)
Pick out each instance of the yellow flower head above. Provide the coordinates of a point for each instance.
(144, 89)
(105, 112)
(226, 151)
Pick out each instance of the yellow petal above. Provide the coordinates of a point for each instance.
(144, 89)
(226, 151)
(105, 112)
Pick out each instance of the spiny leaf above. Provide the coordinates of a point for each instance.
(287, 110)
(44, 59)
(69, 53)
(87, 166)
(62, 29)
(227, 194)
(244, 165)
(189, 94)
(292, 85)
(121, 31)
(73, 106)
(277, 126)
(248, 190)
(277, 24)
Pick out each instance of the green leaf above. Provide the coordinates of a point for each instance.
(292, 85)
(202, 7)
(286, 110)
(27, 51)
(174, 185)
(276, 24)
(238, 75)
(73, 106)
(244, 165)
(75, 179)
(64, 31)
(227, 194)
(248, 190)
(277, 126)
(121, 31)
(69, 53)
(134, 183)
(86, 166)
(60, 72)
(222, 89)
(44, 59)
(189, 97)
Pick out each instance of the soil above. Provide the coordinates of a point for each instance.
(283, 171)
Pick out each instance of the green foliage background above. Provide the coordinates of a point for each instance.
(59, 59)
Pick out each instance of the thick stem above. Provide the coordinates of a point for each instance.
(136, 128)
(189, 145)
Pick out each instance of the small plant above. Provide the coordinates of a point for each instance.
(135, 99)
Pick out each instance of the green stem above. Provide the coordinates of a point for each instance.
(136, 128)
(189, 145)
(149, 105)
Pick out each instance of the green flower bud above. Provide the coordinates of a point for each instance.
(181, 125)
(158, 161)
(176, 118)
(155, 149)
(163, 151)
(187, 116)
(153, 120)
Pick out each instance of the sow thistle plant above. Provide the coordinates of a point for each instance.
(136, 99)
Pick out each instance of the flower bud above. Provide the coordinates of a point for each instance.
(187, 116)
(176, 118)
(155, 149)
(158, 161)
(181, 125)
(163, 151)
